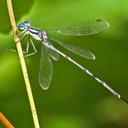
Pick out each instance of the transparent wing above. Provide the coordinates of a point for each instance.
(54, 55)
(46, 69)
(84, 29)
(77, 50)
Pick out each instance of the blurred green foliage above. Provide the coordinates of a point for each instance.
(19, 12)
(74, 100)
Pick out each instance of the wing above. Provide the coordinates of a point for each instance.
(46, 69)
(54, 55)
(84, 29)
(77, 50)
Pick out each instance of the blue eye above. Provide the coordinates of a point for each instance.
(21, 27)
(27, 23)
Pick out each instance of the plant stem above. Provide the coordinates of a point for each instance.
(23, 65)
(5, 121)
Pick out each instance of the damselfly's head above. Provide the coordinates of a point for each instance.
(24, 25)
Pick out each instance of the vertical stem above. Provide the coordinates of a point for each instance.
(23, 65)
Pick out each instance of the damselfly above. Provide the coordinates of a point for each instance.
(48, 51)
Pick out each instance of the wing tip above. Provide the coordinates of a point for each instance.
(93, 57)
(44, 87)
(105, 23)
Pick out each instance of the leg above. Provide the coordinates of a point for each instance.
(20, 33)
(27, 48)
(33, 46)
(23, 36)
(13, 50)
(26, 51)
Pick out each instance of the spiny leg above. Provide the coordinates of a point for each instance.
(24, 35)
(91, 74)
(33, 46)
(27, 48)
(35, 51)
(11, 50)
(20, 33)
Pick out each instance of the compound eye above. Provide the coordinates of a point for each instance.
(21, 27)
(27, 23)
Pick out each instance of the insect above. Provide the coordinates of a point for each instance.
(48, 51)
